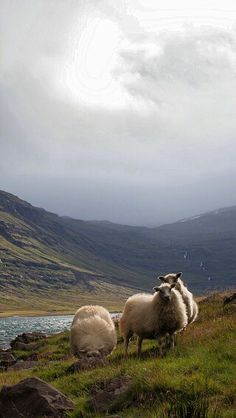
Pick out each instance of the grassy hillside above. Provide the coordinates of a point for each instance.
(45, 265)
(49, 262)
(195, 379)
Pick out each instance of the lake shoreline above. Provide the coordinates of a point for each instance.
(36, 313)
(48, 324)
(31, 313)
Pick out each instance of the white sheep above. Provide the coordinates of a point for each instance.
(153, 316)
(191, 305)
(93, 332)
(195, 312)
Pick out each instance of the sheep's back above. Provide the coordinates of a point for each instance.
(195, 312)
(89, 311)
(91, 334)
(138, 316)
(187, 297)
(92, 328)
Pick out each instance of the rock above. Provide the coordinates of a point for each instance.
(104, 395)
(22, 365)
(32, 336)
(18, 345)
(6, 360)
(86, 363)
(27, 338)
(33, 357)
(31, 398)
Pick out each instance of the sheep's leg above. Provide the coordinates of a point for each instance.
(160, 345)
(172, 340)
(183, 330)
(140, 340)
(175, 339)
(167, 342)
(127, 338)
(126, 345)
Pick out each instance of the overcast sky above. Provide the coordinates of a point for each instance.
(119, 110)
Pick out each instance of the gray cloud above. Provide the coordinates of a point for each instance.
(165, 152)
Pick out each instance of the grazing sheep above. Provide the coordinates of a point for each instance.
(92, 332)
(153, 316)
(191, 305)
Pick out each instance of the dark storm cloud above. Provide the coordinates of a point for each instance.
(163, 147)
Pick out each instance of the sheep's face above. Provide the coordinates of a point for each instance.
(94, 354)
(170, 278)
(165, 292)
(89, 354)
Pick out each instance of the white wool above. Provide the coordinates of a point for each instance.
(191, 306)
(149, 316)
(195, 312)
(92, 331)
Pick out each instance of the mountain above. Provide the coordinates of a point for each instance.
(62, 259)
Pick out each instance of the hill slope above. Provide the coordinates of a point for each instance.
(41, 252)
(195, 379)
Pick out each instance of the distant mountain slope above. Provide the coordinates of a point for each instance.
(41, 251)
(207, 246)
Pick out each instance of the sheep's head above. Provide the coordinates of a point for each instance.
(170, 278)
(95, 352)
(165, 291)
(89, 353)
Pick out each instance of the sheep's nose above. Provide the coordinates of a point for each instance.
(167, 298)
(93, 354)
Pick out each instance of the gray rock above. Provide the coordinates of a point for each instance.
(27, 338)
(18, 345)
(33, 398)
(86, 363)
(102, 396)
(22, 365)
(6, 359)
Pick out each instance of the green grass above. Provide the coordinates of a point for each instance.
(33, 287)
(197, 379)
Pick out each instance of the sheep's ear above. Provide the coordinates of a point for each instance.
(161, 278)
(178, 275)
(172, 285)
(156, 289)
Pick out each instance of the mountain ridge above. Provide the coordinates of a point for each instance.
(42, 252)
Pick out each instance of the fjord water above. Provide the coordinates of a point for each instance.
(12, 326)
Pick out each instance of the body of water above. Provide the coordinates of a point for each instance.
(13, 326)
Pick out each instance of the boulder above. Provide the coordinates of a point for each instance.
(103, 396)
(33, 398)
(6, 360)
(86, 363)
(22, 365)
(18, 345)
(27, 338)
